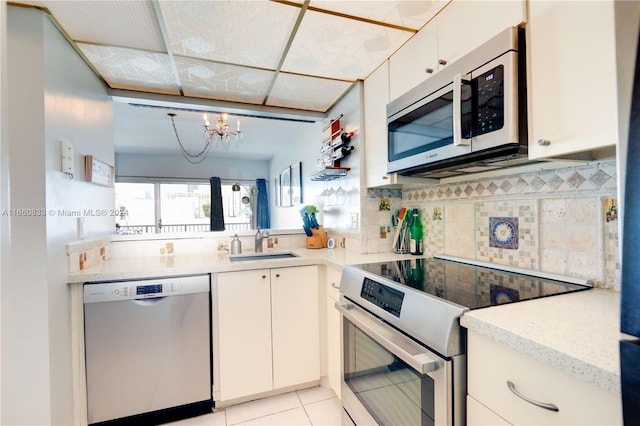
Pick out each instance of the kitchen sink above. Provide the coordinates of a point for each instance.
(261, 256)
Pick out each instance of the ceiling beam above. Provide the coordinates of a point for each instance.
(186, 103)
(167, 44)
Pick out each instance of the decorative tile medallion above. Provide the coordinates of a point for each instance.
(611, 209)
(503, 232)
(385, 204)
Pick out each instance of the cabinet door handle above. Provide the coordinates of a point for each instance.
(428, 70)
(544, 405)
(442, 62)
(264, 276)
(277, 275)
(334, 285)
(544, 142)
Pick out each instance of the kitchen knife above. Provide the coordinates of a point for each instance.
(314, 221)
(307, 230)
(306, 221)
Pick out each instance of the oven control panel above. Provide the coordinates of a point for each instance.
(383, 296)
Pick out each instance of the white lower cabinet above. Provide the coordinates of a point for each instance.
(334, 330)
(268, 330)
(479, 415)
(491, 365)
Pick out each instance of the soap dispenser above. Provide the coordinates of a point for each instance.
(236, 245)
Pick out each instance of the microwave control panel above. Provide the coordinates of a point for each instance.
(489, 89)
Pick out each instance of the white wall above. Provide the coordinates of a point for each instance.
(339, 217)
(305, 147)
(168, 166)
(52, 95)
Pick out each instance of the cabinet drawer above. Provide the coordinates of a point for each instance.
(334, 274)
(491, 365)
(479, 415)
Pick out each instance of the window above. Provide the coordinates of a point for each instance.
(178, 207)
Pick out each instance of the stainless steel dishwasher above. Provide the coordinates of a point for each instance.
(148, 349)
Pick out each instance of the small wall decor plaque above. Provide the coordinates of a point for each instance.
(503, 232)
(95, 171)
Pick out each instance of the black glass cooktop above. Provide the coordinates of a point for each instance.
(469, 285)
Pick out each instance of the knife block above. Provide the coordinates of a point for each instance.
(318, 239)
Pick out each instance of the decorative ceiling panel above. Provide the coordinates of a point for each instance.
(130, 24)
(212, 80)
(341, 48)
(133, 69)
(239, 32)
(408, 14)
(310, 93)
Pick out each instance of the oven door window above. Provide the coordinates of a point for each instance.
(391, 391)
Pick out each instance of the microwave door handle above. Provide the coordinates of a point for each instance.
(458, 140)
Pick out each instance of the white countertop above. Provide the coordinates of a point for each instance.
(158, 266)
(577, 333)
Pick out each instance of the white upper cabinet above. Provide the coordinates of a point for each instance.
(416, 61)
(459, 28)
(572, 77)
(376, 97)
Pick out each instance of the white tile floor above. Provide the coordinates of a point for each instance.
(314, 406)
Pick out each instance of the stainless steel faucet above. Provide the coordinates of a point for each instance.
(260, 235)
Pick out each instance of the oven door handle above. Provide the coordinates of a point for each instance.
(416, 356)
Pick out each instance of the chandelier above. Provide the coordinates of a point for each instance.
(218, 134)
(220, 131)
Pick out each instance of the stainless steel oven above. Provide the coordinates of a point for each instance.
(390, 379)
(404, 351)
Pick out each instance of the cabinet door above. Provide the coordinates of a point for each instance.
(244, 315)
(295, 325)
(572, 77)
(465, 25)
(491, 364)
(478, 415)
(376, 97)
(334, 328)
(408, 66)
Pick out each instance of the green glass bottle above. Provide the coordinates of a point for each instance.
(416, 244)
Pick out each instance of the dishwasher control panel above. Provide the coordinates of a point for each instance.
(145, 289)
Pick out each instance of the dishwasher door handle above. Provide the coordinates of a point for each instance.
(416, 356)
(149, 301)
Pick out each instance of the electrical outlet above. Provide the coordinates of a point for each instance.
(67, 157)
(354, 220)
(82, 228)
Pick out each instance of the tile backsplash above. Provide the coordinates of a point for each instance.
(559, 215)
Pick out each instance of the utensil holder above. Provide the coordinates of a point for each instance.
(318, 239)
(402, 245)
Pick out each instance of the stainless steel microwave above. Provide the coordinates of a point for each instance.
(469, 117)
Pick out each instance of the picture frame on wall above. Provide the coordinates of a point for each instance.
(296, 183)
(285, 187)
(276, 191)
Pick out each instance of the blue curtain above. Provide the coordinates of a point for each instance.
(216, 217)
(262, 205)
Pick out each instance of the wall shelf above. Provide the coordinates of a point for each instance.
(330, 173)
